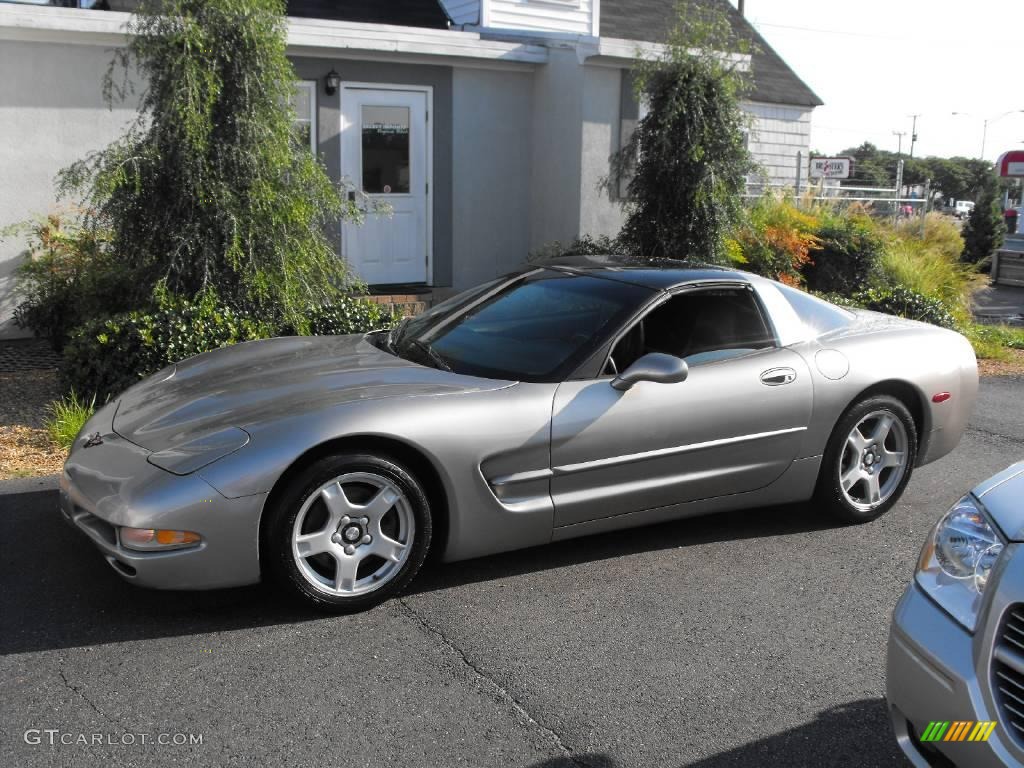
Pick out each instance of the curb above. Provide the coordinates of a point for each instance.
(29, 484)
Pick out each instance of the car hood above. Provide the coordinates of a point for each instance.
(245, 384)
(1001, 496)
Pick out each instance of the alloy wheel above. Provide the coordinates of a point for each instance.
(873, 460)
(353, 534)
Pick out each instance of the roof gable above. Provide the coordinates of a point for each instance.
(649, 21)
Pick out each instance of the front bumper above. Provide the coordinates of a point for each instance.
(931, 675)
(111, 485)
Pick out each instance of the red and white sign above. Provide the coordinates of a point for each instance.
(1011, 163)
(831, 167)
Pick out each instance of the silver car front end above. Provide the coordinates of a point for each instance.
(956, 659)
(110, 485)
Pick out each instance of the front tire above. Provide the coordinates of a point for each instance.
(868, 461)
(348, 532)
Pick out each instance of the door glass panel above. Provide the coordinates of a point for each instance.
(385, 148)
(701, 327)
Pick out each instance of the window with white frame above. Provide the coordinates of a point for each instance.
(304, 103)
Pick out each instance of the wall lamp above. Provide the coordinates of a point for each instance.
(331, 82)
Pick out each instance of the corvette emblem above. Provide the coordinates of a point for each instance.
(94, 439)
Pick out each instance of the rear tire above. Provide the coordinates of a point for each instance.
(868, 461)
(348, 532)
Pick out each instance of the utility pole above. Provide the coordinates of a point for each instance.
(899, 186)
(913, 135)
(900, 134)
(984, 127)
(740, 7)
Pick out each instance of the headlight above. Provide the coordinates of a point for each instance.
(957, 559)
(192, 456)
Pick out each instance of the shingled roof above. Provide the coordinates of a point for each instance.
(649, 21)
(405, 13)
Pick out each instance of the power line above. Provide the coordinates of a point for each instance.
(866, 35)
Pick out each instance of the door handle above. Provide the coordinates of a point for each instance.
(776, 377)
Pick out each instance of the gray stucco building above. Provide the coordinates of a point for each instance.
(486, 124)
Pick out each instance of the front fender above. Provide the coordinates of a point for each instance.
(501, 431)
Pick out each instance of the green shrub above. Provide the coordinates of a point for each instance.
(992, 341)
(109, 354)
(584, 245)
(67, 275)
(900, 301)
(776, 241)
(344, 317)
(847, 259)
(924, 269)
(941, 234)
(66, 417)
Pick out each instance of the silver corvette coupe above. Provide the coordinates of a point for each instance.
(573, 397)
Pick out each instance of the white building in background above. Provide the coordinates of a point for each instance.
(487, 124)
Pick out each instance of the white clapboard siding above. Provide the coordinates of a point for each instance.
(777, 134)
(572, 17)
(463, 11)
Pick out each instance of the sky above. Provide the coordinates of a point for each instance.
(876, 62)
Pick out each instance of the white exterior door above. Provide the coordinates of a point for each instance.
(385, 153)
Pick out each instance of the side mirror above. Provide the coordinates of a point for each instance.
(654, 366)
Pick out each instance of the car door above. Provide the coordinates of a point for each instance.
(734, 425)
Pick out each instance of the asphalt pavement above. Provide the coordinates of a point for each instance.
(752, 638)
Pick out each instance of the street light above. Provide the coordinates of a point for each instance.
(984, 129)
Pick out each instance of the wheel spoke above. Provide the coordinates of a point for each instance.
(381, 504)
(386, 547)
(851, 478)
(856, 442)
(337, 504)
(892, 459)
(874, 490)
(882, 428)
(345, 575)
(310, 544)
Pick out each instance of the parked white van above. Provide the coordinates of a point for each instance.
(963, 208)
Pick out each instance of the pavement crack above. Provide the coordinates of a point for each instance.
(990, 433)
(489, 682)
(86, 699)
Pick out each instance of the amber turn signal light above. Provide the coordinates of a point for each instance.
(150, 539)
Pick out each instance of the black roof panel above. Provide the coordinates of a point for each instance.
(658, 275)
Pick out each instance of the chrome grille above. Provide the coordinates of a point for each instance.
(1008, 671)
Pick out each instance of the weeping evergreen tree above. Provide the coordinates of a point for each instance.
(687, 159)
(209, 192)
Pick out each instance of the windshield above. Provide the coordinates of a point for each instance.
(536, 328)
(414, 326)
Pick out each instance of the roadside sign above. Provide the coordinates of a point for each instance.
(1011, 164)
(831, 167)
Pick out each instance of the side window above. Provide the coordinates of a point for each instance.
(303, 101)
(700, 326)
